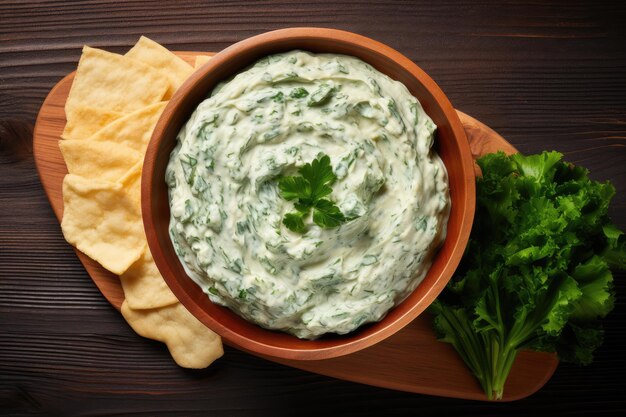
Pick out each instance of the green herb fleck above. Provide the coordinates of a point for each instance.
(298, 93)
(278, 97)
(321, 96)
(189, 167)
(369, 260)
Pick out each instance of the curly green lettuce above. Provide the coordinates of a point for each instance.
(537, 270)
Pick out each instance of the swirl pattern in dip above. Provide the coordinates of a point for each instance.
(226, 211)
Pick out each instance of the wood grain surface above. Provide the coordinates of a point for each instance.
(545, 75)
(436, 370)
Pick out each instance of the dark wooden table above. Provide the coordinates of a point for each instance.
(544, 75)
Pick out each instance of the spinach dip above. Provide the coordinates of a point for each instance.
(267, 122)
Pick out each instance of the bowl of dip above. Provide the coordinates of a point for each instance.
(308, 193)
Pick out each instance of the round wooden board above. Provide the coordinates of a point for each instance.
(411, 360)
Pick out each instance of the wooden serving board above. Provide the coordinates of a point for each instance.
(411, 360)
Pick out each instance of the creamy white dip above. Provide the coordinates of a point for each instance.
(226, 210)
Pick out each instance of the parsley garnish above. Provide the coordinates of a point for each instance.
(309, 189)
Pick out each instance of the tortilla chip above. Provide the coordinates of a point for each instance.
(144, 287)
(133, 130)
(191, 344)
(157, 56)
(84, 121)
(114, 82)
(201, 60)
(131, 182)
(105, 161)
(101, 221)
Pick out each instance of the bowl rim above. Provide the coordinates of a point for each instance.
(351, 344)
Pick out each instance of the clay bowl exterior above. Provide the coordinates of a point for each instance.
(451, 144)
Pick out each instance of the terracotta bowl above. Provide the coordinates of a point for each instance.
(451, 144)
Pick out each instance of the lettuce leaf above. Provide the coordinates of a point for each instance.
(536, 272)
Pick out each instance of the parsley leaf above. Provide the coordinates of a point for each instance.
(295, 222)
(309, 188)
(327, 215)
(302, 208)
(320, 175)
(294, 187)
